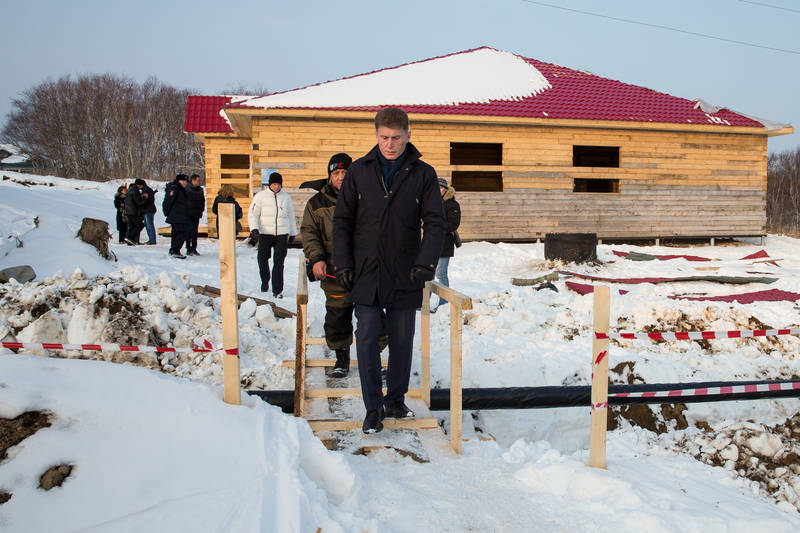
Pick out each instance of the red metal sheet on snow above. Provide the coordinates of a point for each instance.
(711, 279)
(586, 288)
(667, 257)
(771, 295)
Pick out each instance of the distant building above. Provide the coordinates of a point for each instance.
(12, 158)
(530, 147)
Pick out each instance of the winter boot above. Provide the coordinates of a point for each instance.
(342, 366)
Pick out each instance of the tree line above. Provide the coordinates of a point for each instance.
(783, 192)
(103, 127)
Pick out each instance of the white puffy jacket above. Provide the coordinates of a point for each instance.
(272, 214)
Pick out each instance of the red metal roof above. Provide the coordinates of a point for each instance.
(203, 114)
(573, 94)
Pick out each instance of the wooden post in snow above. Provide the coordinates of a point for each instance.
(229, 303)
(300, 340)
(597, 440)
(425, 348)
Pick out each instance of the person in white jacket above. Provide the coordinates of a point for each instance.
(271, 218)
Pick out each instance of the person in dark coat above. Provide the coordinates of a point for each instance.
(134, 204)
(452, 218)
(176, 207)
(383, 259)
(225, 196)
(149, 211)
(119, 204)
(197, 206)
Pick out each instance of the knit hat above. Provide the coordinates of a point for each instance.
(340, 161)
(139, 181)
(275, 178)
(442, 182)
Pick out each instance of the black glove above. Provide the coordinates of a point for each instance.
(421, 273)
(310, 272)
(344, 277)
(253, 240)
(291, 239)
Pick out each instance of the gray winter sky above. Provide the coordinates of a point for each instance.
(213, 46)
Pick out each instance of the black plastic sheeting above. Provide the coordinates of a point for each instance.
(572, 396)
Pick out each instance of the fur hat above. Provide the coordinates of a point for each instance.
(340, 161)
(182, 177)
(275, 178)
(443, 183)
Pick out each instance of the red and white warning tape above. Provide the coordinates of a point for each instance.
(696, 335)
(710, 391)
(110, 347)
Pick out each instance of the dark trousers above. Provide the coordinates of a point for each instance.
(122, 227)
(135, 226)
(400, 324)
(265, 245)
(191, 239)
(179, 233)
(338, 326)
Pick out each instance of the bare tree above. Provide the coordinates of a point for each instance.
(783, 192)
(102, 127)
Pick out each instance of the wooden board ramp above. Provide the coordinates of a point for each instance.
(334, 407)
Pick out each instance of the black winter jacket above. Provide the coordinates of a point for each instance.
(452, 217)
(237, 209)
(150, 201)
(134, 202)
(175, 204)
(377, 232)
(197, 201)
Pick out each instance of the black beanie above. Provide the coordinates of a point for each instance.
(275, 178)
(139, 181)
(181, 177)
(340, 161)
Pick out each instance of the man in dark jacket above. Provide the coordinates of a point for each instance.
(149, 210)
(176, 207)
(197, 205)
(135, 199)
(381, 260)
(452, 218)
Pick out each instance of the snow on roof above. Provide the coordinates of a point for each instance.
(475, 76)
(16, 156)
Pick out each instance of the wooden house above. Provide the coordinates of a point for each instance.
(530, 147)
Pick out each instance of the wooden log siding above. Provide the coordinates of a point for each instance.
(672, 183)
(636, 213)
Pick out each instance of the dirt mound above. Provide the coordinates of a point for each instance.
(95, 232)
(15, 430)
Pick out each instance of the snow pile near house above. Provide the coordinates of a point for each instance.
(16, 156)
(131, 308)
(469, 77)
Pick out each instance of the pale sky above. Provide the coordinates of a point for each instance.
(279, 45)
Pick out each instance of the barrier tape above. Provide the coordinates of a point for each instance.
(601, 405)
(697, 335)
(106, 347)
(600, 357)
(710, 391)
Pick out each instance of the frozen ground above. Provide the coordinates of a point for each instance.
(155, 448)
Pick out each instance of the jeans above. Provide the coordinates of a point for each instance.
(150, 226)
(441, 275)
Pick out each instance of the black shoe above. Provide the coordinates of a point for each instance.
(192, 252)
(265, 288)
(129, 242)
(398, 410)
(342, 366)
(177, 255)
(372, 422)
(278, 295)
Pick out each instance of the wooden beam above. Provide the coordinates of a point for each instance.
(599, 407)
(425, 334)
(335, 424)
(229, 304)
(300, 340)
(456, 325)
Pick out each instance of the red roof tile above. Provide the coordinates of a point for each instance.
(573, 94)
(202, 114)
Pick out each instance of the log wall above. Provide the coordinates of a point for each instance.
(671, 183)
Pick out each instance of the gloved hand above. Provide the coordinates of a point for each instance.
(253, 240)
(421, 273)
(291, 239)
(344, 277)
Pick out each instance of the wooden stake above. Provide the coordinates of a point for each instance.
(456, 326)
(425, 334)
(300, 340)
(597, 441)
(229, 303)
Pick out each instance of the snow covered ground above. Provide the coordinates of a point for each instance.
(153, 447)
